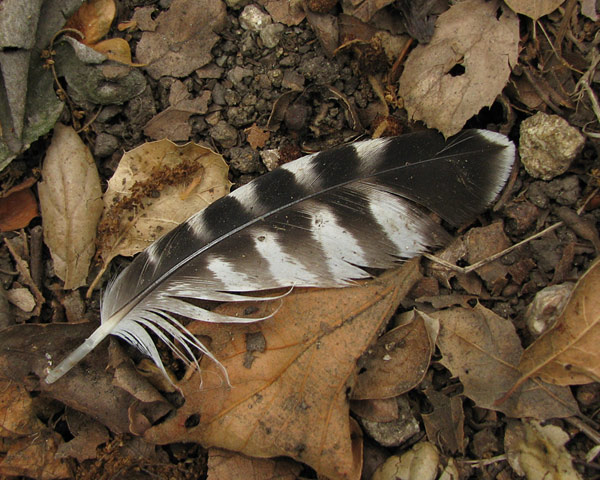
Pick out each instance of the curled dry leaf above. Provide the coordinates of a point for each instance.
(534, 8)
(538, 452)
(568, 354)
(483, 350)
(71, 205)
(464, 67)
(157, 186)
(290, 399)
(399, 360)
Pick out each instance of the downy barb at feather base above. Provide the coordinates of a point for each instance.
(314, 222)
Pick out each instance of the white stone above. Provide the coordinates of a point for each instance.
(254, 19)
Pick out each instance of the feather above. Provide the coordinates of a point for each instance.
(316, 222)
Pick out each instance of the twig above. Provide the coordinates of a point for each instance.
(584, 428)
(36, 256)
(24, 271)
(491, 258)
(485, 461)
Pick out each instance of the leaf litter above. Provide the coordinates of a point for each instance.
(505, 277)
(291, 399)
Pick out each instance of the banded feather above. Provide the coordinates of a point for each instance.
(319, 221)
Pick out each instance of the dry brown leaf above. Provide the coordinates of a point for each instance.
(399, 360)
(568, 354)
(87, 434)
(538, 452)
(534, 8)
(71, 205)
(173, 123)
(483, 350)
(464, 67)
(34, 457)
(116, 49)
(256, 136)
(93, 19)
(482, 243)
(157, 186)
(18, 417)
(364, 9)
(224, 464)
(445, 425)
(17, 210)
(183, 38)
(291, 399)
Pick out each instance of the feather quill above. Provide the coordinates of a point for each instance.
(316, 222)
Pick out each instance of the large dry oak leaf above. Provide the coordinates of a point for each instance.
(290, 375)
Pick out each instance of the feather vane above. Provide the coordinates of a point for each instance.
(316, 222)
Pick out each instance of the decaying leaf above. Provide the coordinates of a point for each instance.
(183, 38)
(173, 123)
(292, 398)
(225, 464)
(71, 205)
(568, 354)
(464, 67)
(483, 350)
(399, 360)
(157, 186)
(538, 452)
(534, 8)
(256, 136)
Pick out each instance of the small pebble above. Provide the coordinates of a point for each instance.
(224, 134)
(254, 19)
(271, 34)
(548, 145)
(546, 306)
